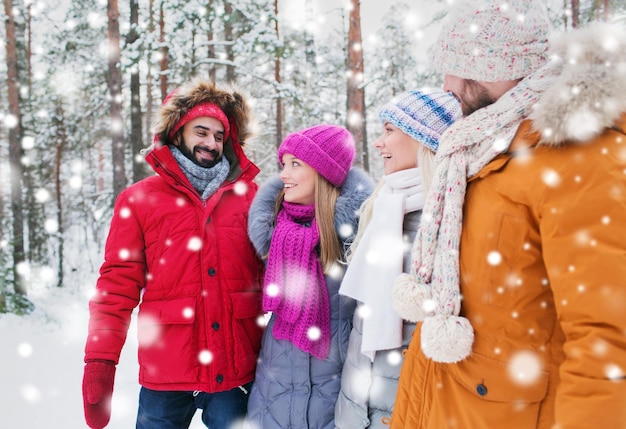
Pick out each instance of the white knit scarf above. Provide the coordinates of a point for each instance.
(377, 260)
(431, 291)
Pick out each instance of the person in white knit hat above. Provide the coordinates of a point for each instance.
(412, 124)
(518, 278)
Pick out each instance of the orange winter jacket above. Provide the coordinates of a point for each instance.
(549, 313)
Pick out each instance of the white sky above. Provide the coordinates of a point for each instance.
(328, 12)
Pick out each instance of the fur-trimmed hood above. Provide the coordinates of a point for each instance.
(357, 187)
(181, 100)
(590, 93)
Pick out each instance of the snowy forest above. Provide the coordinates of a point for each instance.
(81, 81)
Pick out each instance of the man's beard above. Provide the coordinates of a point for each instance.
(476, 97)
(204, 163)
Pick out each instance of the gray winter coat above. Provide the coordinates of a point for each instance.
(293, 389)
(368, 389)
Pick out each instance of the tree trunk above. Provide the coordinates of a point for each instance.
(149, 99)
(61, 138)
(277, 78)
(115, 92)
(29, 48)
(211, 45)
(3, 247)
(356, 94)
(136, 140)
(575, 5)
(163, 63)
(15, 150)
(229, 21)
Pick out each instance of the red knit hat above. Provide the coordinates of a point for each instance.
(328, 149)
(206, 109)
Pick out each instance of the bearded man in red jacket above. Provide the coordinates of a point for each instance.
(178, 247)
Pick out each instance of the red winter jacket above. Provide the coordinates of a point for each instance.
(192, 270)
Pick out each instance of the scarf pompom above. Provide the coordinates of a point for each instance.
(447, 339)
(410, 298)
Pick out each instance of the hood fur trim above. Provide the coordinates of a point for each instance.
(590, 93)
(181, 100)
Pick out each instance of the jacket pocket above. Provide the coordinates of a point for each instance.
(168, 343)
(503, 249)
(480, 393)
(247, 331)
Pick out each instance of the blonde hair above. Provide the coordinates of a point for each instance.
(426, 162)
(326, 195)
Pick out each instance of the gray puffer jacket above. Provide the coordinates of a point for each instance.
(368, 389)
(293, 389)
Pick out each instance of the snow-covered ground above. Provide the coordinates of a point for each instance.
(41, 365)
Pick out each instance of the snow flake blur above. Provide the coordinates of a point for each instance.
(524, 367)
(314, 333)
(205, 357)
(194, 244)
(240, 188)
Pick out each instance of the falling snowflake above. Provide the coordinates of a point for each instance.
(364, 311)
(272, 290)
(25, 350)
(240, 188)
(551, 178)
(614, 372)
(314, 333)
(125, 212)
(394, 358)
(336, 271)
(10, 121)
(51, 226)
(42, 195)
(188, 312)
(346, 230)
(524, 367)
(494, 258)
(194, 244)
(28, 143)
(76, 182)
(205, 357)
(30, 393)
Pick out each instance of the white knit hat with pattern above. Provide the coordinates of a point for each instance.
(493, 40)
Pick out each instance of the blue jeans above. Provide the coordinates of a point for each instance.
(174, 410)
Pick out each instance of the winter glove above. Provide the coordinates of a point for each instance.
(97, 392)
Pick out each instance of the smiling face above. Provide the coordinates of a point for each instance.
(299, 180)
(398, 149)
(202, 141)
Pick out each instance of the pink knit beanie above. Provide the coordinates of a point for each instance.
(329, 149)
(492, 40)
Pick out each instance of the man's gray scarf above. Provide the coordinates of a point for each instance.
(205, 180)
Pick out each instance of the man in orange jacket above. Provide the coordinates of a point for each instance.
(519, 272)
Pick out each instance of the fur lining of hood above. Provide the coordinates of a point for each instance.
(590, 93)
(357, 187)
(181, 100)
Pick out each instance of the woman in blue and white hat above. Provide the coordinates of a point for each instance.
(412, 125)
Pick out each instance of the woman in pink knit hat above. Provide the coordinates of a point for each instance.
(300, 223)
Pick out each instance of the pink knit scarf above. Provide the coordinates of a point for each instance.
(295, 289)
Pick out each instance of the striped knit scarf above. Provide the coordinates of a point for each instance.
(431, 291)
(295, 289)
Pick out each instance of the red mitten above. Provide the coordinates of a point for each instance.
(97, 392)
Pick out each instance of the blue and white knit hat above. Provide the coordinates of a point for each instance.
(424, 115)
